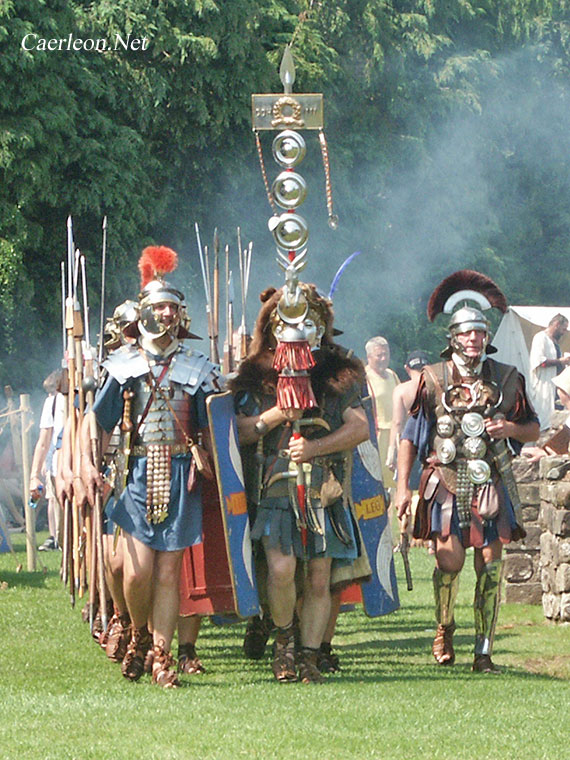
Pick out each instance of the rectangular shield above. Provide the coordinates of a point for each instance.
(380, 594)
(233, 504)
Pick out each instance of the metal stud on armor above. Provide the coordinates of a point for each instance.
(157, 483)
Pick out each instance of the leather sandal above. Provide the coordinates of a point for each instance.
(283, 665)
(442, 647)
(256, 634)
(327, 660)
(188, 660)
(308, 670)
(118, 636)
(484, 664)
(164, 668)
(137, 649)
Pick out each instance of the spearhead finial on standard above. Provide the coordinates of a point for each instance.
(287, 71)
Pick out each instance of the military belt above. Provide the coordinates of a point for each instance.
(175, 449)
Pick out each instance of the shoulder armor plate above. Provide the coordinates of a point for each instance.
(125, 363)
(193, 370)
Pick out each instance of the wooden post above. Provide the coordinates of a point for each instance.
(25, 415)
(16, 444)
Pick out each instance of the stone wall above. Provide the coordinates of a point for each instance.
(522, 566)
(554, 521)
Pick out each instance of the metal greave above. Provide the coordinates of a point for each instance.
(486, 605)
(445, 587)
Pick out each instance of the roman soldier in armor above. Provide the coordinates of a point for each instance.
(297, 461)
(156, 390)
(469, 414)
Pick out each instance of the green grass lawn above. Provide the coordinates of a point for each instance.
(61, 698)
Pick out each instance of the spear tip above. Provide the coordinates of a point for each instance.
(105, 222)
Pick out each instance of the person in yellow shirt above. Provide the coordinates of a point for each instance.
(381, 383)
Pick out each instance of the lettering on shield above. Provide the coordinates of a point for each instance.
(370, 508)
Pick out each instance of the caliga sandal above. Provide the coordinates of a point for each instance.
(188, 660)
(164, 668)
(137, 649)
(442, 647)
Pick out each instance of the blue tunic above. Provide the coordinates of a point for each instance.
(183, 526)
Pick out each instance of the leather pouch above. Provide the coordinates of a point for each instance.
(488, 506)
(331, 490)
(204, 464)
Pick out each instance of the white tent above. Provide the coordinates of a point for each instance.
(516, 330)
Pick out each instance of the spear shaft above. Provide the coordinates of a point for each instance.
(216, 315)
(103, 276)
(205, 267)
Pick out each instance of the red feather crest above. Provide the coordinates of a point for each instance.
(465, 279)
(155, 262)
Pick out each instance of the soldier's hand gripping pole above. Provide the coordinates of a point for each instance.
(99, 579)
(403, 548)
(301, 494)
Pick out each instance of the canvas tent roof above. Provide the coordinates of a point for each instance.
(516, 330)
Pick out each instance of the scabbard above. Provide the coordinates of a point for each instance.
(406, 560)
(504, 467)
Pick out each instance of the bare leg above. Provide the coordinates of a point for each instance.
(317, 602)
(315, 616)
(449, 553)
(487, 554)
(188, 629)
(119, 628)
(138, 572)
(331, 625)
(281, 585)
(282, 597)
(114, 572)
(328, 661)
(166, 597)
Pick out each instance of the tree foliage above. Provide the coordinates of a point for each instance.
(447, 122)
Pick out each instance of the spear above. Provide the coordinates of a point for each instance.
(216, 318)
(228, 344)
(63, 311)
(65, 547)
(244, 267)
(102, 309)
(78, 336)
(93, 519)
(242, 327)
(87, 388)
(205, 267)
(70, 530)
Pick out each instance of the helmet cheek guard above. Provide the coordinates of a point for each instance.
(465, 320)
(150, 321)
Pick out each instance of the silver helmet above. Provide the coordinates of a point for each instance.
(454, 291)
(154, 263)
(150, 322)
(124, 315)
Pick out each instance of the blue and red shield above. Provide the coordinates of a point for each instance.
(380, 594)
(218, 575)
